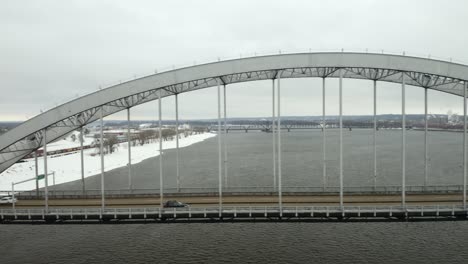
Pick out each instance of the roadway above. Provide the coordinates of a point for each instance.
(256, 200)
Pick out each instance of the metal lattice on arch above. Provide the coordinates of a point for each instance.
(431, 74)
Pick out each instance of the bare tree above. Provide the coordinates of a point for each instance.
(145, 136)
(199, 130)
(167, 133)
(110, 143)
(96, 143)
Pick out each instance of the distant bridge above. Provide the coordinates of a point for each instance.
(264, 128)
(268, 128)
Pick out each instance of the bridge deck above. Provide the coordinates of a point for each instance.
(239, 208)
(236, 213)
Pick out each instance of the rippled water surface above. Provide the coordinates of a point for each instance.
(250, 161)
(250, 164)
(396, 242)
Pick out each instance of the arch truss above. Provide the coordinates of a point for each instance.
(59, 121)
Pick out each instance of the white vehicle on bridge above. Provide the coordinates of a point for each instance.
(8, 200)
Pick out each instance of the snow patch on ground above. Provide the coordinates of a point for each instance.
(68, 167)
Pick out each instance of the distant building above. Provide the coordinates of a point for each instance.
(147, 125)
(184, 127)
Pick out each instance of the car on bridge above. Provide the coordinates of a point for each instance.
(7, 200)
(174, 203)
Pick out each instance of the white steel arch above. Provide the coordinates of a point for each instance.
(28, 136)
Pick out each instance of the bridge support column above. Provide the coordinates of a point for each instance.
(280, 194)
(464, 144)
(161, 188)
(324, 143)
(46, 192)
(82, 161)
(13, 204)
(36, 168)
(341, 136)
(375, 135)
(273, 120)
(220, 183)
(403, 141)
(101, 151)
(129, 142)
(225, 139)
(177, 141)
(426, 158)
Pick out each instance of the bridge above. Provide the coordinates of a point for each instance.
(426, 73)
(263, 128)
(240, 204)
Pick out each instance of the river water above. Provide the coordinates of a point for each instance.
(250, 161)
(250, 164)
(395, 242)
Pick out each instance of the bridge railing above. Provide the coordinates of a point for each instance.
(230, 211)
(240, 190)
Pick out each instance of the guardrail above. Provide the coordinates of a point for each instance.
(233, 213)
(241, 190)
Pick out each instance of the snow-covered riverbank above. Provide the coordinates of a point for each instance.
(68, 167)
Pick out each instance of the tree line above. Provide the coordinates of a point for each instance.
(111, 141)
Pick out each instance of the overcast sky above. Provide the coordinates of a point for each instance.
(52, 51)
